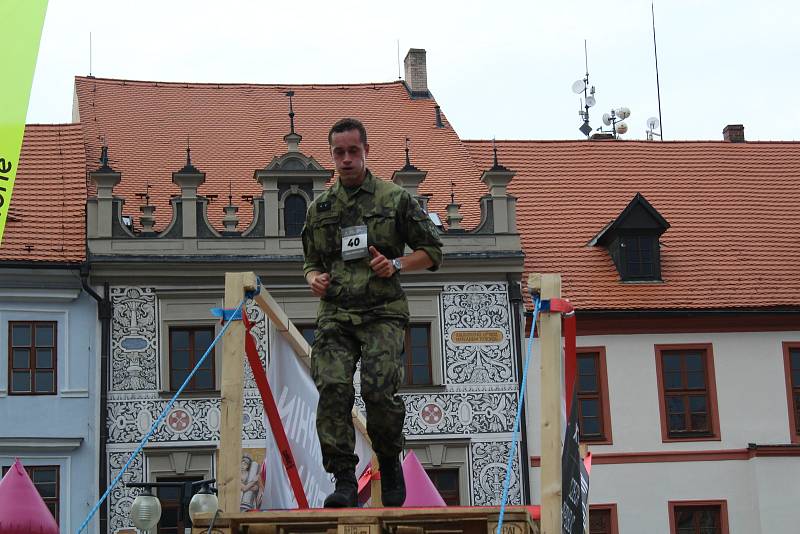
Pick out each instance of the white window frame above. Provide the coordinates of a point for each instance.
(190, 310)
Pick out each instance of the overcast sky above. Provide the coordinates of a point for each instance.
(499, 69)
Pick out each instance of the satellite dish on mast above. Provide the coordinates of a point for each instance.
(623, 113)
(606, 119)
(578, 87)
(653, 123)
(621, 128)
(590, 101)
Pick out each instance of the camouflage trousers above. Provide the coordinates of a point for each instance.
(338, 346)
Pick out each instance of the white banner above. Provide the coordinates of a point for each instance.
(296, 397)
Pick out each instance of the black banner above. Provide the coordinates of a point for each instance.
(574, 479)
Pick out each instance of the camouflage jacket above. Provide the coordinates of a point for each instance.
(393, 219)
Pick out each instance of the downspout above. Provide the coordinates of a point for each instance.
(104, 315)
(515, 297)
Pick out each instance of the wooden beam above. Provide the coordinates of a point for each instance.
(232, 396)
(549, 287)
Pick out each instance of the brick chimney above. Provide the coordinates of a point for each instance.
(416, 73)
(733, 133)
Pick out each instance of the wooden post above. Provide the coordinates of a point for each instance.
(231, 396)
(549, 287)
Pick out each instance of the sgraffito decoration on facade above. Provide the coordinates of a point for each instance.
(121, 497)
(489, 460)
(188, 420)
(460, 413)
(261, 335)
(477, 310)
(133, 339)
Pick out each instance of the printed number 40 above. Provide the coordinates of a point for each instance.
(354, 242)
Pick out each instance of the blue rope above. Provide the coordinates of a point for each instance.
(536, 308)
(155, 424)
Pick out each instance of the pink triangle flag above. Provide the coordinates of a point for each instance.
(22, 510)
(420, 491)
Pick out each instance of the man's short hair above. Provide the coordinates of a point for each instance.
(347, 124)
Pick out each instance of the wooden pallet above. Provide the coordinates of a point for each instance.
(450, 520)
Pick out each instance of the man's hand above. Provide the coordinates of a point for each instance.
(380, 264)
(318, 282)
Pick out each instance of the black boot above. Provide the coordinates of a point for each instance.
(346, 493)
(393, 485)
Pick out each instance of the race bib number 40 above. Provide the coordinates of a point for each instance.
(354, 243)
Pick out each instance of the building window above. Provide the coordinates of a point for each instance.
(594, 414)
(603, 519)
(791, 356)
(46, 480)
(707, 517)
(640, 253)
(32, 357)
(416, 352)
(174, 514)
(687, 389)
(446, 481)
(186, 346)
(417, 355)
(308, 331)
(294, 215)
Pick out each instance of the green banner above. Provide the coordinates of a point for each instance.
(22, 22)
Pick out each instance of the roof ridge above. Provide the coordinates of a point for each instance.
(631, 141)
(123, 81)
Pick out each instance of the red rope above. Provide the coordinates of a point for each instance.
(271, 409)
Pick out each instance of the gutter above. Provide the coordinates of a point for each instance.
(104, 314)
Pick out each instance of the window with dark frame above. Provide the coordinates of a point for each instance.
(187, 344)
(417, 343)
(589, 386)
(600, 521)
(446, 481)
(172, 521)
(32, 358)
(308, 331)
(417, 355)
(697, 519)
(294, 215)
(640, 257)
(687, 405)
(794, 378)
(46, 480)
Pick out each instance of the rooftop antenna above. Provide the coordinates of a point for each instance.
(658, 85)
(588, 100)
(90, 53)
(614, 119)
(399, 77)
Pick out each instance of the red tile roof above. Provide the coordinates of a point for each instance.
(735, 235)
(734, 240)
(46, 222)
(234, 129)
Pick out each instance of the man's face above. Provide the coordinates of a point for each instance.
(349, 155)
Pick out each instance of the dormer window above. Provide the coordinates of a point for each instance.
(294, 214)
(639, 254)
(632, 240)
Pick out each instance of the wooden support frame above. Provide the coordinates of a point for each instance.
(232, 388)
(548, 286)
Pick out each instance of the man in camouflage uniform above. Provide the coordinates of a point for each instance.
(353, 240)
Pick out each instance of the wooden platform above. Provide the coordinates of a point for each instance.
(450, 520)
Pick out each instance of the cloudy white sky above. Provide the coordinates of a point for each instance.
(498, 68)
